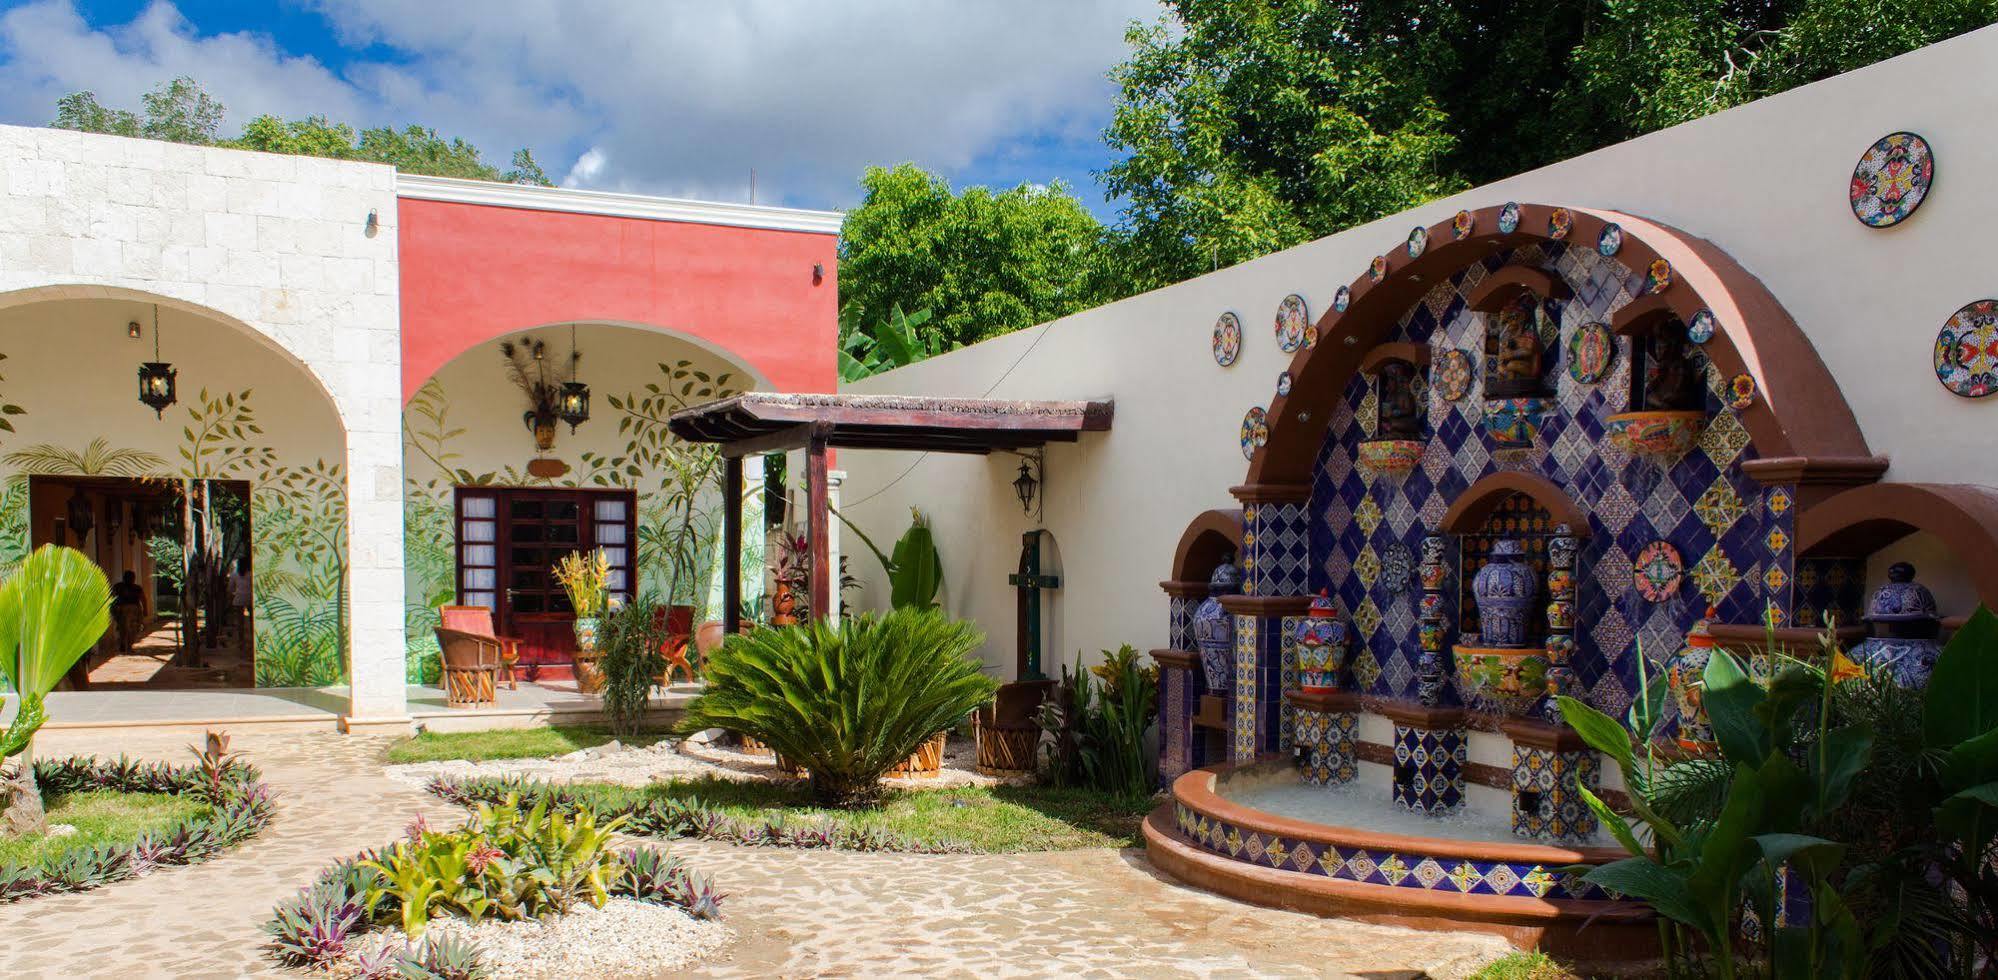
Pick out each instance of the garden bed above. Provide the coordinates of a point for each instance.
(130, 819)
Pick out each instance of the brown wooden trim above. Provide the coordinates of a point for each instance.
(1176, 659)
(1374, 752)
(1415, 354)
(1537, 734)
(1857, 522)
(817, 531)
(1486, 774)
(1413, 715)
(1205, 544)
(1184, 590)
(1338, 702)
(1815, 478)
(1469, 511)
(1266, 605)
(1272, 493)
(1492, 293)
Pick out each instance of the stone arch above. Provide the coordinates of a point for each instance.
(1468, 512)
(1798, 412)
(1862, 520)
(761, 380)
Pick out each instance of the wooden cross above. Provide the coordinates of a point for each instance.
(1030, 582)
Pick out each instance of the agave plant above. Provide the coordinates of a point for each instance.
(846, 701)
(51, 612)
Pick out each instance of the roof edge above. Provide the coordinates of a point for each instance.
(571, 200)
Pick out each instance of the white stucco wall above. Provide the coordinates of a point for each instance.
(278, 245)
(1766, 182)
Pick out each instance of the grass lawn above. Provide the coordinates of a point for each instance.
(1525, 966)
(990, 819)
(100, 817)
(506, 743)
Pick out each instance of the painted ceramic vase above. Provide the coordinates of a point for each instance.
(586, 633)
(1321, 647)
(1214, 629)
(1390, 455)
(1514, 422)
(1432, 571)
(1904, 623)
(1508, 681)
(1504, 590)
(1657, 434)
(1686, 679)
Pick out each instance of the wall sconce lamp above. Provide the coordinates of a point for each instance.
(818, 273)
(374, 223)
(132, 329)
(1028, 485)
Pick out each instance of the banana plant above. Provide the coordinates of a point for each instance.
(890, 345)
(52, 611)
(915, 570)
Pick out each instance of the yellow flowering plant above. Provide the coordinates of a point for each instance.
(585, 575)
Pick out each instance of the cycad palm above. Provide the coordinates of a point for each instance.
(849, 701)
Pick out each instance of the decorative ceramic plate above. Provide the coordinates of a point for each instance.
(1418, 239)
(1453, 375)
(1559, 222)
(1342, 299)
(1290, 323)
(1892, 178)
(1591, 353)
(1227, 339)
(1657, 571)
(1741, 391)
(1658, 276)
(1310, 335)
(1509, 218)
(1702, 328)
(1460, 226)
(1378, 270)
(1255, 431)
(1283, 382)
(1397, 568)
(1967, 351)
(1610, 241)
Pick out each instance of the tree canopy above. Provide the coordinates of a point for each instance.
(180, 111)
(1247, 126)
(983, 262)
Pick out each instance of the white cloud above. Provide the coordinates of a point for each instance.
(681, 97)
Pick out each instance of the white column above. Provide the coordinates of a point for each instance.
(834, 480)
(375, 579)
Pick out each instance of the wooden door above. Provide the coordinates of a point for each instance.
(509, 540)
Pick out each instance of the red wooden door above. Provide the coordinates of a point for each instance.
(510, 540)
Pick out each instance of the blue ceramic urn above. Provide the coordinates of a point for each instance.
(1214, 628)
(1321, 647)
(1504, 590)
(1903, 624)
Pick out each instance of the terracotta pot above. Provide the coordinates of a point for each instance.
(1390, 455)
(589, 666)
(708, 638)
(1505, 679)
(1667, 434)
(783, 605)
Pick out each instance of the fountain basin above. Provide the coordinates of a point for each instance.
(1396, 871)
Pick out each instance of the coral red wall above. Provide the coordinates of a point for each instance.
(471, 273)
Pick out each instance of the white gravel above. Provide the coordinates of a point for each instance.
(625, 938)
(639, 766)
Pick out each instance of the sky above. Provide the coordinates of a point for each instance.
(682, 98)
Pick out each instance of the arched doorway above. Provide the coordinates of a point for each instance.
(229, 507)
(490, 503)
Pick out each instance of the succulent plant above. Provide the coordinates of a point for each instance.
(312, 929)
(443, 958)
(652, 876)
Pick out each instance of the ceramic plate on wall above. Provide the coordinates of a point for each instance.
(1591, 353)
(1453, 375)
(1966, 355)
(1509, 218)
(1227, 339)
(1610, 241)
(1658, 276)
(1559, 223)
(1255, 431)
(1891, 179)
(1461, 225)
(1342, 299)
(1657, 571)
(1377, 270)
(1702, 328)
(1418, 239)
(1741, 391)
(1283, 382)
(1290, 323)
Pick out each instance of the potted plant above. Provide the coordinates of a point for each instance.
(585, 575)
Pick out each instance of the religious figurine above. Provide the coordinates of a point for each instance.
(1399, 417)
(1670, 383)
(1520, 355)
(1904, 623)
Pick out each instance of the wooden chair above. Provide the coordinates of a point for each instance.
(478, 621)
(471, 668)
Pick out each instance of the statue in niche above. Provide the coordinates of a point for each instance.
(1519, 354)
(1671, 381)
(1399, 417)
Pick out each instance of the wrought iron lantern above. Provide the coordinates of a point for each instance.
(572, 403)
(1026, 486)
(157, 377)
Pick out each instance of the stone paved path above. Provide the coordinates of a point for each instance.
(1095, 913)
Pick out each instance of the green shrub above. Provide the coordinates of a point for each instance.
(630, 638)
(846, 701)
(1099, 730)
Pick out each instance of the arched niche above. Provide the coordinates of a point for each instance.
(1859, 523)
(1211, 538)
(1474, 507)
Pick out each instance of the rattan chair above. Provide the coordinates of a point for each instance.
(471, 668)
(478, 620)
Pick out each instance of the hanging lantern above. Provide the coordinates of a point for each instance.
(1024, 486)
(82, 515)
(572, 404)
(156, 377)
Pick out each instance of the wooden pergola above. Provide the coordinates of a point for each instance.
(760, 422)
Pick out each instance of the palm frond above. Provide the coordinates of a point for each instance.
(51, 611)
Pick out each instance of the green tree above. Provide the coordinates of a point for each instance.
(983, 262)
(179, 111)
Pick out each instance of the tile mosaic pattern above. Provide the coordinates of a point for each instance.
(1175, 727)
(1830, 587)
(1179, 629)
(1429, 768)
(1325, 743)
(1630, 501)
(1546, 805)
(1278, 543)
(1255, 709)
(1377, 867)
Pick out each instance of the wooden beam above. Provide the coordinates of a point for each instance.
(731, 544)
(817, 532)
(788, 438)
